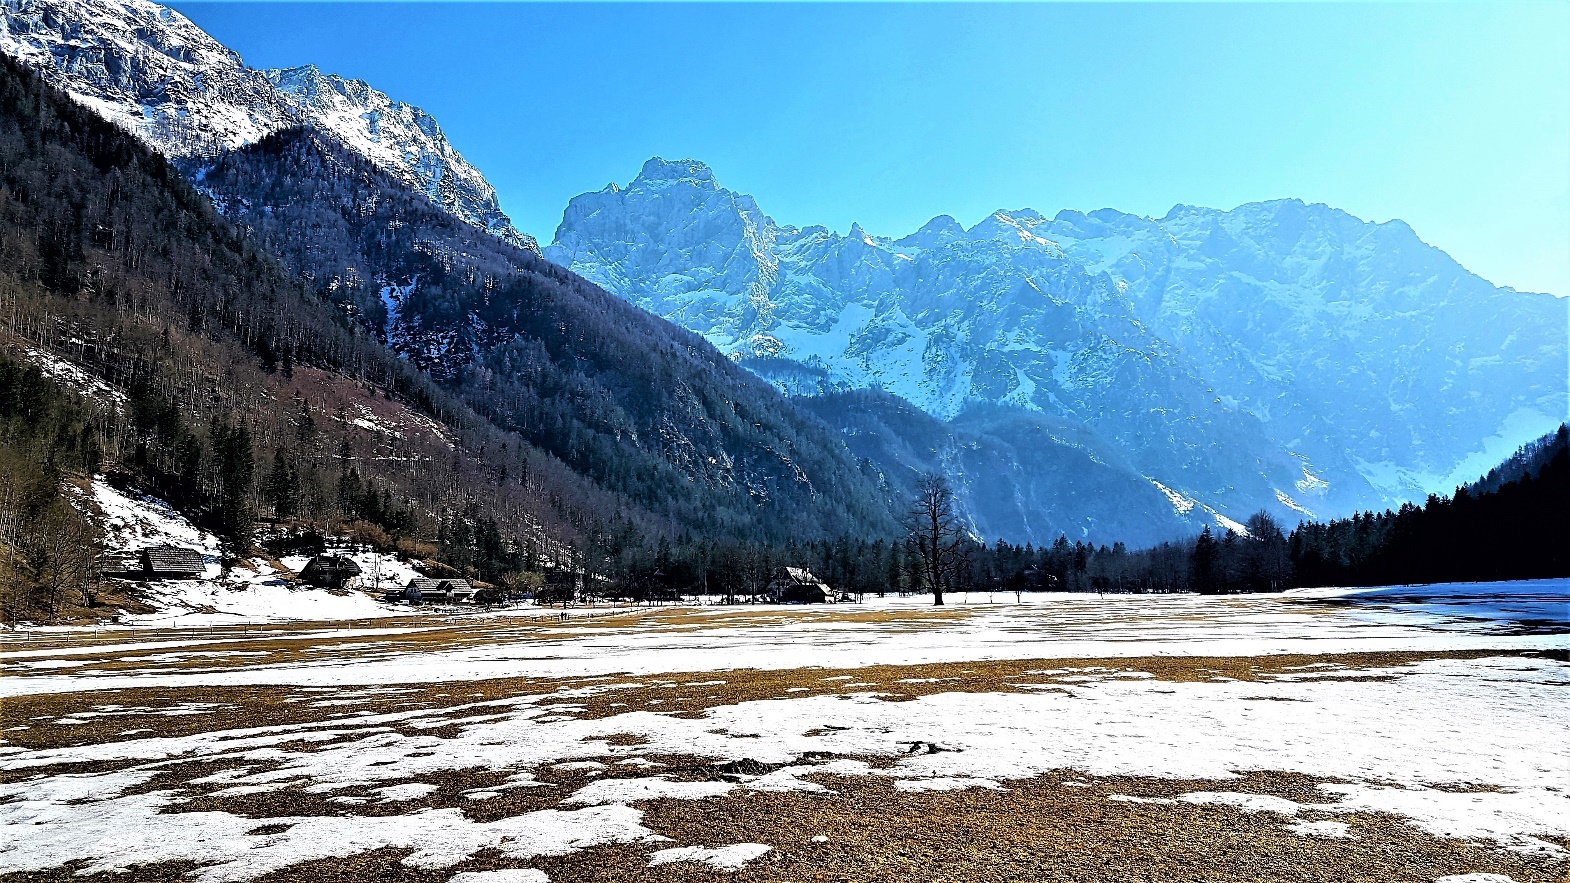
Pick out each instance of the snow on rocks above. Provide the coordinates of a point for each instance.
(150, 70)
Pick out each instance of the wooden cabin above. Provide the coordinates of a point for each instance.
(425, 590)
(798, 585)
(330, 571)
(170, 562)
(421, 589)
(459, 591)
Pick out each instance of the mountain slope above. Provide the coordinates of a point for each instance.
(200, 369)
(1510, 525)
(635, 403)
(1347, 338)
(206, 375)
(946, 318)
(1017, 474)
(1281, 356)
(154, 72)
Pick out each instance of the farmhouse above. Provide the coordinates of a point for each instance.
(425, 590)
(459, 590)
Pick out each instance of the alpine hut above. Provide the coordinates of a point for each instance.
(170, 562)
(330, 571)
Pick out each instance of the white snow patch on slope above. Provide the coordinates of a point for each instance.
(1180, 504)
(253, 590)
(69, 375)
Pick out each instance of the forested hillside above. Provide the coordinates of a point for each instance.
(639, 405)
(1018, 475)
(1511, 524)
(203, 371)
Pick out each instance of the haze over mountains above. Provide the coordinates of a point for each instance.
(1101, 375)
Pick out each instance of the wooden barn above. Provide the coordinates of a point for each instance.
(330, 571)
(170, 562)
(425, 590)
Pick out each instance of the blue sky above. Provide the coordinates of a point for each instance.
(1453, 117)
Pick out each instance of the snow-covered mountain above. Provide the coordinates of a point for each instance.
(155, 73)
(1282, 355)
(1348, 338)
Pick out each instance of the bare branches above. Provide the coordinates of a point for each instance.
(935, 530)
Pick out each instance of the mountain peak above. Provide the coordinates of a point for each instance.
(662, 171)
(935, 232)
(156, 74)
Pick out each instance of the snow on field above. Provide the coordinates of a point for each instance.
(1467, 749)
(727, 858)
(1066, 626)
(1539, 602)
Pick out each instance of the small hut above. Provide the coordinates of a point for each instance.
(425, 590)
(170, 562)
(459, 590)
(330, 571)
(420, 589)
(798, 585)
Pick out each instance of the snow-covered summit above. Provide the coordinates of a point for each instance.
(155, 73)
(1221, 350)
(947, 318)
(662, 171)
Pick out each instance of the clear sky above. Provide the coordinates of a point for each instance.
(1453, 117)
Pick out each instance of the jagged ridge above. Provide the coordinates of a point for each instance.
(155, 73)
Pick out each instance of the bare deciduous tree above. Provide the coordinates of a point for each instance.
(935, 530)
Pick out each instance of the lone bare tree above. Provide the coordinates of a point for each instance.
(936, 533)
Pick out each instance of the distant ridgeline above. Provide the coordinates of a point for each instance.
(1509, 525)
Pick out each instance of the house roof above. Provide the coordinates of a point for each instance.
(333, 562)
(173, 559)
(425, 584)
(801, 576)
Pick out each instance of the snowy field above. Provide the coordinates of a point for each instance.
(1348, 736)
